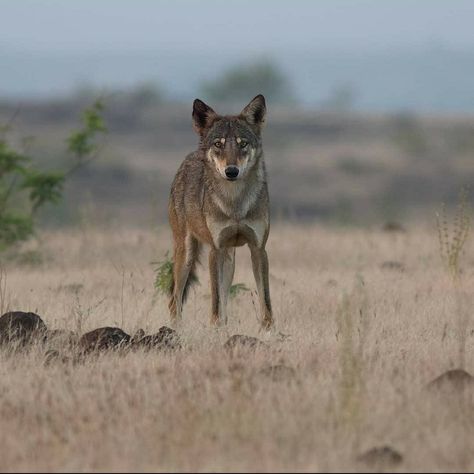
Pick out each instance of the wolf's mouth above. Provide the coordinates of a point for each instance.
(231, 179)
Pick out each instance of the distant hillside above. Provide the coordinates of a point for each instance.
(339, 167)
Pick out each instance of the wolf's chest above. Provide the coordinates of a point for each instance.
(232, 233)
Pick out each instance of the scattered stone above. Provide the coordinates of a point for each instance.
(165, 339)
(278, 373)
(102, 339)
(393, 265)
(393, 226)
(239, 341)
(381, 456)
(139, 334)
(21, 327)
(455, 379)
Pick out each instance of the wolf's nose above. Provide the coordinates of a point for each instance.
(232, 172)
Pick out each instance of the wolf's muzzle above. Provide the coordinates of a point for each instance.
(232, 172)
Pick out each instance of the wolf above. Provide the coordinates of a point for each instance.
(219, 197)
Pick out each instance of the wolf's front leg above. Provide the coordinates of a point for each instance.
(221, 269)
(260, 271)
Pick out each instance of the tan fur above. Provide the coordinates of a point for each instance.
(206, 208)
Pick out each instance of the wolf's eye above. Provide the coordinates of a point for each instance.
(243, 144)
(218, 144)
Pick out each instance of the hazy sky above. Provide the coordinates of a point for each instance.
(226, 26)
(394, 54)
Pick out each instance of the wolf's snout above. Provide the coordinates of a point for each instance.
(232, 172)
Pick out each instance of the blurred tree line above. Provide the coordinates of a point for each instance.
(243, 81)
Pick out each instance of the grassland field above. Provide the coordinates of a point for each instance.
(365, 319)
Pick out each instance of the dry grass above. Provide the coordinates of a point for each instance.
(363, 340)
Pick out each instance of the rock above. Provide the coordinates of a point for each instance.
(331, 283)
(139, 334)
(21, 327)
(381, 456)
(165, 339)
(455, 379)
(241, 342)
(102, 339)
(393, 226)
(278, 373)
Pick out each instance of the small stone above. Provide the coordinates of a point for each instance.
(393, 226)
(103, 339)
(381, 456)
(455, 379)
(21, 327)
(139, 334)
(165, 339)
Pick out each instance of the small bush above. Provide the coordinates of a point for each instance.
(164, 275)
(24, 189)
(237, 289)
(164, 278)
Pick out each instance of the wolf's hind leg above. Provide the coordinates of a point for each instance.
(184, 264)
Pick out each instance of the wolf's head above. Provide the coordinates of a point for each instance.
(231, 144)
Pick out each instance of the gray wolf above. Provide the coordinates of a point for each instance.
(219, 197)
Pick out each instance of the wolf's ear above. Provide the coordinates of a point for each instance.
(203, 116)
(254, 112)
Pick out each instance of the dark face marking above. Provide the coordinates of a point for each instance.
(231, 142)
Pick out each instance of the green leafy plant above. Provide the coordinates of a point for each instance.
(84, 143)
(164, 278)
(164, 275)
(24, 189)
(237, 289)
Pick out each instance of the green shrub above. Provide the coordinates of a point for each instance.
(24, 189)
(164, 275)
(164, 278)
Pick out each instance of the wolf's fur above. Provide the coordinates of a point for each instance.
(206, 207)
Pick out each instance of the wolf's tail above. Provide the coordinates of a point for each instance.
(192, 278)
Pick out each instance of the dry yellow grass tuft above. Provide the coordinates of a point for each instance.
(344, 374)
